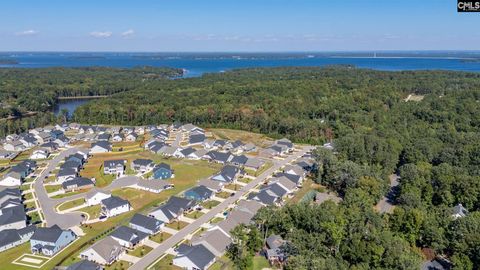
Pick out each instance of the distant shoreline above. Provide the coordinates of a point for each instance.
(81, 97)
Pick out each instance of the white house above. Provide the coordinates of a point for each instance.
(196, 257)
(11, 179)
(40, 154)
(104, 252)
(101, 147)
(96, 198)
(114, 206)
(131, 137)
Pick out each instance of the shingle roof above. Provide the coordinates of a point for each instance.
(145, 222)
(197, 254)
(142, 162)
(129, 235)
(107, 248)
(77, 181)
(114, 202)
(84, 265)
(103, 144)
(46, 234)
(12, 214)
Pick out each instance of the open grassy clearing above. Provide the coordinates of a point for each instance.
(71, 204)
(93, 211)
(53, 188)
(244, 136)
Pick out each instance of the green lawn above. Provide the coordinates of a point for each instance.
(30, 204)
(223, 194)
(232, 186)
(216, 220)
(244, 180)
(71, 204)
(28, 196)
(177, 225)
(259, 263)
(194, 214)
(222, 263)
(24, 187)
(160, 237)
(93, 211)
(34, 217)
(210, 204)
(53, 188)
(140, 251)
(118, 265)
(165, 264)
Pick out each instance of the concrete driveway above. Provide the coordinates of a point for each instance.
(153, 255)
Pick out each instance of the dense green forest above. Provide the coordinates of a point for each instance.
(37, 90)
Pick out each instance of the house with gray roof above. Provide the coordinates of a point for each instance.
(219, 157)
(50, 240)
(162, 171)
(239, 160)
(228, 174)
(129, 237)
(66, 174)
(216, 241)
(146, 224)
(13, 217)
(142, 165)
(199, 193)
(101, 147)
(105, 251)
(275, 249)
(116, 166)
(77, 183)
(11, 238)
(458, 211)
(193, 257)
(254, 163)
(195, 139)
(173, 208)
(113, 206)
(84, 265)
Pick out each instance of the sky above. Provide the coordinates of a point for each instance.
(236, 25)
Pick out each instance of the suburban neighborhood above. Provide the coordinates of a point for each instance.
(138, 197)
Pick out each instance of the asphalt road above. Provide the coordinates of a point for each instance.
(386, 204)
(47, 204)
(153, 255)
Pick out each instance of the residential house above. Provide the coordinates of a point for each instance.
(219, 157)
(66, 174)
(199, 193)
(249, 147)
(153, 186)
(103, 137)
(11, 179)
(459, 211)
(84, 265)
(12, 217)
(114, 206)
(104, 252)
(116, 167)
(239, 160)
(162, 171)
(44, 137)
(50, 146)
(96, 198)
(50, 240)
(185, 152)
(131, 137)
(196, 139)
(196, 257)
(172, 209)
(129, 237)
(254, 163)
(14, 146)
(11, 238)
(148, 225)
(118, 137)
(101, 147)
(235, 146)
(275, 249)
(215, 186)
(142, 165)
(77, 183)
(7, 154)
(295, 170)
(40, 154)
(216, 241)
(286, 142)
(228, 174)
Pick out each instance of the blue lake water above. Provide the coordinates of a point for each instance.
(69, 104)
(196, 64)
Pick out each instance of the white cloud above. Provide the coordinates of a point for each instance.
(128, 33)
(29, 32)
(99, 34)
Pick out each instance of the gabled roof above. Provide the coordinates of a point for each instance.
(103, 144)
(114, 202)
(49, 235)
(113, 163)
(107, 248)
(146, 222)
(198, 255)
(202, 191)
(219, 156)
(274, 241)
(84, 265)
(175, 205)
(285, 142)
(216, 241)
(242, 159)
(294, 178)
(77, 181)
(12, 214)
(187, 151)
(8, 237)
(67, 172)
(128, 234)
(196, 138)
(227, 173)
(142, 162)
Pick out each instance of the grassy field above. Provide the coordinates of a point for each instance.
(71, 204)
(210, 204)
(223, 194)
(232, 186)
(194, 214)
(216, 220)
(53, 188)
(92, 211)
(177, 225)
(63, 195)
(140, 251)
(119, 265)
(244, 136)
(165, 264)
(307, 186)
(160, 237)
